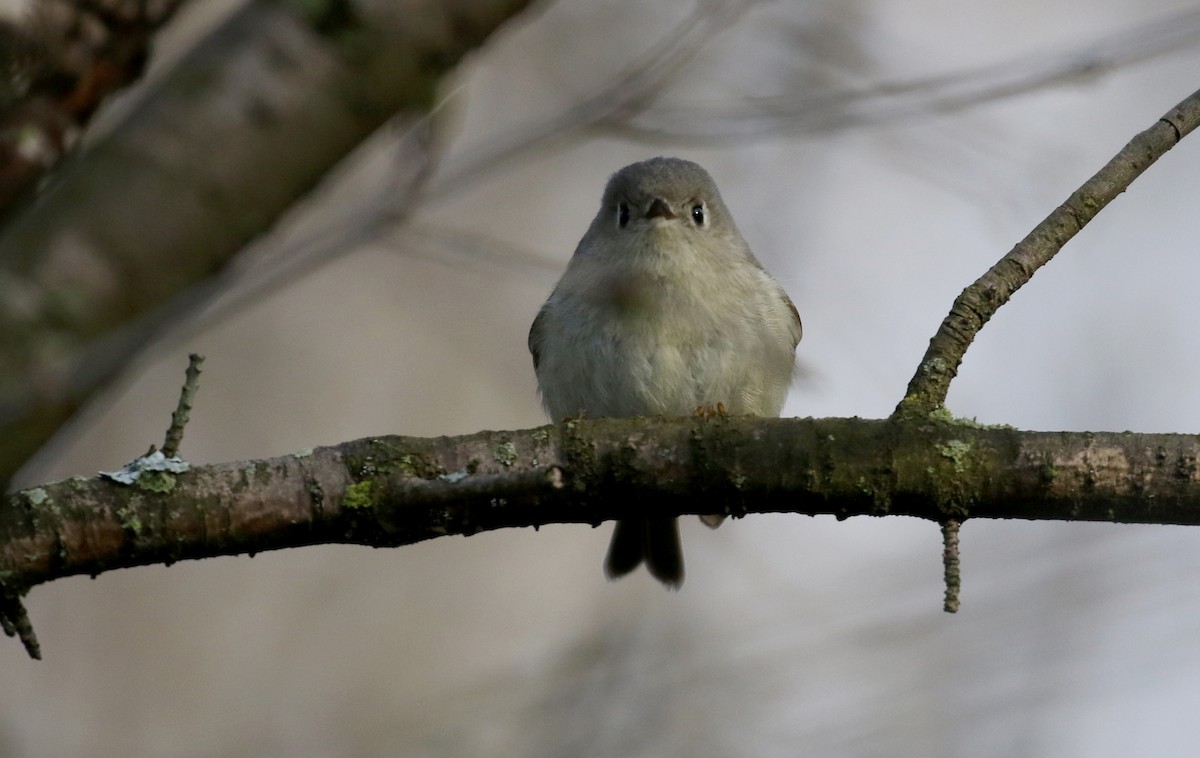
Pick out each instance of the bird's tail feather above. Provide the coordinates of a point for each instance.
(653, 540)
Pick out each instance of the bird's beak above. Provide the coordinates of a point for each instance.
(659, 209)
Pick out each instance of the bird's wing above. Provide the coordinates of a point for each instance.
(536, 332)
(797, 327)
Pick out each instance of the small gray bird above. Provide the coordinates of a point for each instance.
(662, 310)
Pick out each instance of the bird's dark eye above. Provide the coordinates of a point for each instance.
(623, 215)
(698, 214)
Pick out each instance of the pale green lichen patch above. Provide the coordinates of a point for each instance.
(358, 496)
(505, 453)
(36, 496)
(161, 482)
(935, 365)
(128, 519)
(418, 465)
(943, 415)
(957, 451)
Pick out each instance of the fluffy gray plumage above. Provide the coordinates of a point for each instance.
(663, 309)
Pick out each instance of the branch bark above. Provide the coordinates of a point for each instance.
(390, 491)
(53, 78)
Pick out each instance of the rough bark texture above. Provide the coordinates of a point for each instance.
(390, 491)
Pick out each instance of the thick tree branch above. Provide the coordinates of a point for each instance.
(53, 77)
(391, 491)
(243, 126)
(980, 301)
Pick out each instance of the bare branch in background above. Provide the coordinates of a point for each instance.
(632, 107)
(891, 102)
(275, 264)
(229, 139)
(632, 90)
(56, 67)
(980, 301)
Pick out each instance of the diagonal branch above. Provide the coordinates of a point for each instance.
(980, 301)
(53, 78)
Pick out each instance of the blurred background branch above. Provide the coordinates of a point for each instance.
(851, 104)
(233, 135)
(56, 67)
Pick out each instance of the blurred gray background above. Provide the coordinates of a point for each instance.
(874, 204)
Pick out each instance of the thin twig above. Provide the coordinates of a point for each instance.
(807, 112)
(950, 567)
(980, 301)
(183, 410)
(14, 620)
